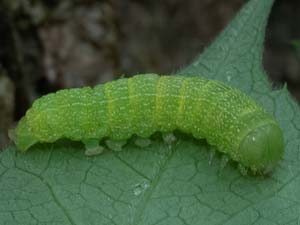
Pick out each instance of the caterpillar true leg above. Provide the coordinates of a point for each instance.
(243, 170)
(224, 161)
(212, 154)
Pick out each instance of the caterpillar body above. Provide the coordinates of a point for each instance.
(143, 104)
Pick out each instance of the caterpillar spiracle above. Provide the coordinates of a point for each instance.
(143, 104)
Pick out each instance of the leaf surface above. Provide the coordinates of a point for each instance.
(158, 185)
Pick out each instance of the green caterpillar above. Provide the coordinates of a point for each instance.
(228, 119)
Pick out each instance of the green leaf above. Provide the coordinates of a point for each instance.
(58, 184)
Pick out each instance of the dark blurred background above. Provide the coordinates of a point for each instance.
(46, 45)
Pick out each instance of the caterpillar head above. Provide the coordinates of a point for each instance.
(262, 148)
